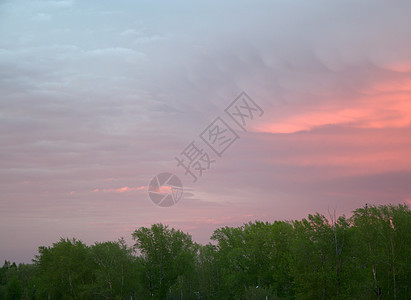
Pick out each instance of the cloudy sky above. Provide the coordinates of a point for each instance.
(97, 97)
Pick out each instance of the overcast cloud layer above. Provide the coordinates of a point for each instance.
(97, 97)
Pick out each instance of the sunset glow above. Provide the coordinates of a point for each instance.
(98, 98)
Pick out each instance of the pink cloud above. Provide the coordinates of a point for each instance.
(344, 150)
(120, 190)
(384, 103)
(164, 189)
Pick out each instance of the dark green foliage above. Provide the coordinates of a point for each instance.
(14, 289)
(322, 258)
(384, 235)
(208, 272)
(256, 254)
(72, 270)
(116, 272)
(65, 270)
(168, 255)
(16, 281)
(364, 257)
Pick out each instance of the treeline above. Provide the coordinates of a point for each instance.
(366, 256)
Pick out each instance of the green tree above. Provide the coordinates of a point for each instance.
(14, 289)
(256, 254)
(4, 279)
(27, 275)
(364, 257)
(209, 275)
(167, 255)
(4, 272)
(117, 271)
(321, 257)
(230, 261)
(384, 232)
(65, 270)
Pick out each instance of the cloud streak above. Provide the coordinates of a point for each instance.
(123, 189)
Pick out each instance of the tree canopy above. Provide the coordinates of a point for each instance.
(365, 256)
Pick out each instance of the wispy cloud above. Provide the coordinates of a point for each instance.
(97, 98)
(124, 189)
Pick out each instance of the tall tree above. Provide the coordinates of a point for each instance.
(254, 255)
(14, 289)
(167, 254)
(208, 272)
(65, 270)
(116, 271)
(385, 234)
(320, 257)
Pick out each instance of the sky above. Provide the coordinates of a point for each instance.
(98, 97)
